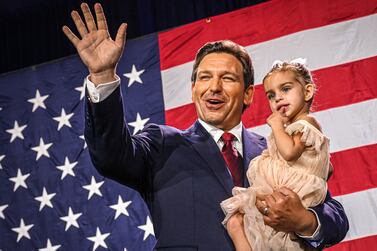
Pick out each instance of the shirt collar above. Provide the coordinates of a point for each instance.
(216, 133)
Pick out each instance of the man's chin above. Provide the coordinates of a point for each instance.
(214, 121)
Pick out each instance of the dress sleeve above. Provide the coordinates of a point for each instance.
(311, 136)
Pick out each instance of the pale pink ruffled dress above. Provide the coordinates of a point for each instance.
(306, 176)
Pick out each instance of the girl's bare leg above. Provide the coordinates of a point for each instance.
(237, 234)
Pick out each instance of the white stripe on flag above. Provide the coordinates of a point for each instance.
(323, 47)
(347, 126)
(361, 210)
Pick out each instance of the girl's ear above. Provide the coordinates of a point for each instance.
(309, 91)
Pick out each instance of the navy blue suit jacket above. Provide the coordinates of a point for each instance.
(181, 175)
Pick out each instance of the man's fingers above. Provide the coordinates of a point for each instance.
(90, 23)
(120, 38)
(286, 192)
(100, 15)
(261, 205)
(261, 196)
(80, 26)
(71, 36)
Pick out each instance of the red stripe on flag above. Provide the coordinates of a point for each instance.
(362, 244)
(256, 24)
(337, 86)
(354, 170)
(181, 117)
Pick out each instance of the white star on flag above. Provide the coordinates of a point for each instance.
(83, 138)
(81, 89)
(1, 158)
(71, 219)
(22, 230)
(99, 239)
(93, 188)
(38, 101)
(42, 149)
(121, 207)
(67, 168)
(147, 228)
(134, 76)
(19, 180)
(139, 124)
(45, 199)
(2, 208)
(63, 119)
(16, 131)
(49, 247)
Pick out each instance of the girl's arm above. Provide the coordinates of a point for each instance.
(289, 147)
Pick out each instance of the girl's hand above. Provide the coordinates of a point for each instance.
(276, 119)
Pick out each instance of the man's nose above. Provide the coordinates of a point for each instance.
(215, 84)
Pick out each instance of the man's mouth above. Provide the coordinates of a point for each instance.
(214, 103)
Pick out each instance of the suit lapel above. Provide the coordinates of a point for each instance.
(208, 150)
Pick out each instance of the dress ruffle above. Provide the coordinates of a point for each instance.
(311, 136)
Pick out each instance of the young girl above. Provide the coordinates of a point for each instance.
(297, 157)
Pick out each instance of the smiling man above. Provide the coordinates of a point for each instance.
(184, 175)
(218, 89)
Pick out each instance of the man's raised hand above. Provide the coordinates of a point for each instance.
(96, 48)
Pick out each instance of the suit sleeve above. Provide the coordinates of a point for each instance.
(114, 152)
(334, 223)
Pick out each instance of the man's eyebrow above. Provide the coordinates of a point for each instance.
(231, 73)
(204, 71)
(222, 72)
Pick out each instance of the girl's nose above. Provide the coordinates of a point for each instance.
(278, 97)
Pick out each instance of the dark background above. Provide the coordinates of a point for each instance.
(31, 29)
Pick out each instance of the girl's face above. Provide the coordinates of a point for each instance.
(287, 95)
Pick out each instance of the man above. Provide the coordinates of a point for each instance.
(182, 174)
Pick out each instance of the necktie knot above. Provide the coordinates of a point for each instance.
(227, 137)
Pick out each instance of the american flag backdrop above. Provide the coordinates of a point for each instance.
(51, 198)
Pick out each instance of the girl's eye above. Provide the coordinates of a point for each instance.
(270, 96)
(285, 89)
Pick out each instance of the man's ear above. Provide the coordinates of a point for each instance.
(248, 97)
(192, 91)
(309, 91)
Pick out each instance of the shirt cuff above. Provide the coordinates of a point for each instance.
(102, 91)
(315, 239)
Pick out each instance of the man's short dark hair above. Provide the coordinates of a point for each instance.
(226, 46)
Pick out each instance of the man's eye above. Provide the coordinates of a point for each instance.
(204, 77)
(228, 79)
